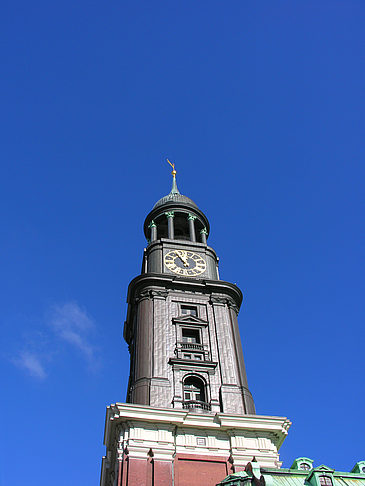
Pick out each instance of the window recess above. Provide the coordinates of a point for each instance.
(191, 336)
(325, 481)
(195, 397)
(190, 310)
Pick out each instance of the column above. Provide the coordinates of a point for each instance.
(204, 234)
(191, 219)
(170, 224)
(142, 350)
(242, 377)
(153, 228)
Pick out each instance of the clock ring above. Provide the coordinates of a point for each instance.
(185, 263)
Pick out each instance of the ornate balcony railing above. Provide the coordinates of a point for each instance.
(196, 405)
(192, 348)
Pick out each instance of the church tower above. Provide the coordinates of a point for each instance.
(189, 417)
(182, 326)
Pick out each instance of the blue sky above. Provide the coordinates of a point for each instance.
(261, 107)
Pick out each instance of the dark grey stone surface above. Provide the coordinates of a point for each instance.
(155, 320)
(152, 330)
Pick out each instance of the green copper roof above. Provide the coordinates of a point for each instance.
(289, 480)
(349, 481)
(297, 477)
(279, 479)
(175, 196)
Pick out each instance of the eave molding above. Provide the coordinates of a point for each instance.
(276, 427)
(155, 281)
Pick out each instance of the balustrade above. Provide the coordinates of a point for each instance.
(196, 405)
(195, 347)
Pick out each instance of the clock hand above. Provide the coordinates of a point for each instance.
(183, 257)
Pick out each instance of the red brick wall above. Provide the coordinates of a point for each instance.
(136, 472)
(189, 470)
(162, 473)
(195, 470)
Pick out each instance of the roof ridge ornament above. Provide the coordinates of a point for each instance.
(174, 189)
(175, 196)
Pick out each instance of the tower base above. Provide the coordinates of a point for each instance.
(148, 446)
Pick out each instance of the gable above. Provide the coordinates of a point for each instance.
(324, 468)
(189, 319)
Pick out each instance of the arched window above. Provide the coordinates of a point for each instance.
(194, 394)
(325, 481)
(193, 389)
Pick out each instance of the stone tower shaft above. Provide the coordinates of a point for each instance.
(181, 326)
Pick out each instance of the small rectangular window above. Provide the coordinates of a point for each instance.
(190, 310)
(187, 396)
(190, 336)
(198, 357)
(187, 356)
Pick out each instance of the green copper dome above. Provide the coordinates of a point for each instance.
(175, 197)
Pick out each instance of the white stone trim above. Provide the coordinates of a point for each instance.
(173, 431)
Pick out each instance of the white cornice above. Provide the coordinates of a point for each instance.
(277, 427)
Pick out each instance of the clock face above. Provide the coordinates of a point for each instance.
(185, 262)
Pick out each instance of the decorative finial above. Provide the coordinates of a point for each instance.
(174, 189)
(173, 168)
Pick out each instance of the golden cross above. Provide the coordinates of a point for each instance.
(173, 167)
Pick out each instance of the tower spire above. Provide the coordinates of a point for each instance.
(174, 189)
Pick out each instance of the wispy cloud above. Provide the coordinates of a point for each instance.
(72, 324)
(30, 362)
(67, 323)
